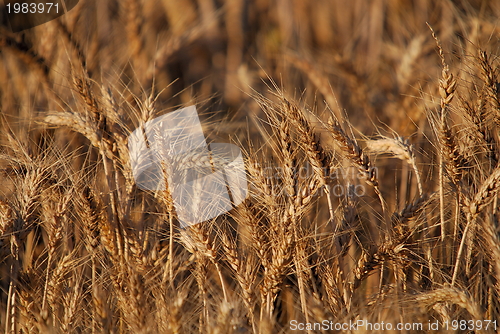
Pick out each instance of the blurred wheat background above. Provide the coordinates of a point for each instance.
(371, 139)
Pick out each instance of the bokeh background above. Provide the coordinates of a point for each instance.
(373, 60)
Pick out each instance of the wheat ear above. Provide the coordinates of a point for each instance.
(447, 86)
(355, 154)
(399, 148)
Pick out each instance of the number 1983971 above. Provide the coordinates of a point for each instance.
(32, 8)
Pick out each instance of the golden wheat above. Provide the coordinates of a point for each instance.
(376, 201)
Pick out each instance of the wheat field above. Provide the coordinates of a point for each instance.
(370, 135)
